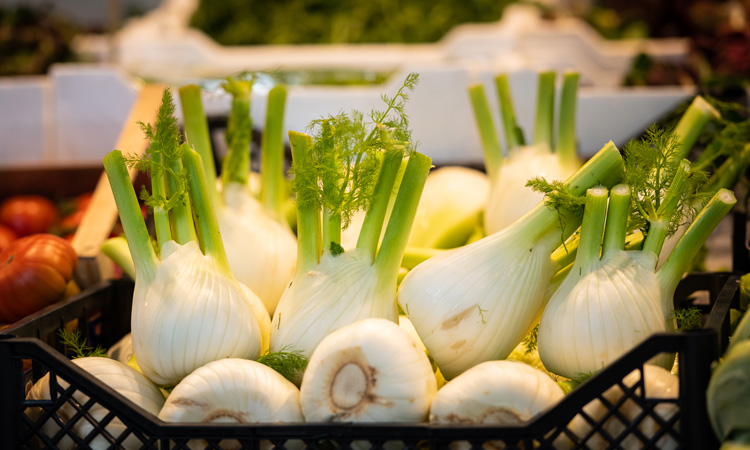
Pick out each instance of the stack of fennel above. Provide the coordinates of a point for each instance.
(197, 328)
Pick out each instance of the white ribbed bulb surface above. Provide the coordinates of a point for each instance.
(233, 390)
(261, 250)
(495, 392)
(600, 313)
(189, 315)
(509, 198)
(476, 303)
(450, 204)
(342, 289)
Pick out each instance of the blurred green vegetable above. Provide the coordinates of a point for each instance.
(238, 22)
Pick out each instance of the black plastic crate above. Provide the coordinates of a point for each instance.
(27, 340)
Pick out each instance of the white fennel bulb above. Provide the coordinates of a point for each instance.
(504, 393)
(509, 197)
(189, 315)
(450, 206)
(261, 250)
(123, 379)
(476, 303)
(657, 383)
(188, 309)
(236, 391)
(342, 289)
(406, 325)
(259, 243)
(613, 299)
(261, 315)
(233, 390)
(368, 371)
(334, 286)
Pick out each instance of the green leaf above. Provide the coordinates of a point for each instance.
(74, 342)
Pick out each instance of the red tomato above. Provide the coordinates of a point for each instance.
(28, 214)
(82, 201)
(69, 223)
(6, 237)
(34, 273)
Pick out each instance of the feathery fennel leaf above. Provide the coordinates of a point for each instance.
(165, 139)
(650, 167)
(290, 365)
(347, 154)
(688, 318)
(73, 341)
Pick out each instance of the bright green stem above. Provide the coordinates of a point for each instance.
(181, 213)
(369, 235)
(206, 222)
(605, 168)
(545, 110)
(617, 218)
(565, 254)
(414, 256)
(308, 215)
(144, 256)
(692, 240)
(117, 250)
(493, 155)
(659, 225)
(159, 190)
(331, 228)
(730, 171)
(236, 165)
(388, 259)
(592, 227)
(508, 116)
(691, 125)
(196, 130)
(273, 189)
(566, 146)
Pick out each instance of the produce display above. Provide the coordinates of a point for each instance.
(514, 313)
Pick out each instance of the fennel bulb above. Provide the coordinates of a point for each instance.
(118, 250)
(477, 302)
(261, 250)
(608, 304)
(333, 286)
(235, 391)
(260, 245)
(407, 326)
(450, 207)
(729, 390)
(658, 383)
(188, 309)
(123, 379)
(509, 198)
(504, 393)
(368, 371)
